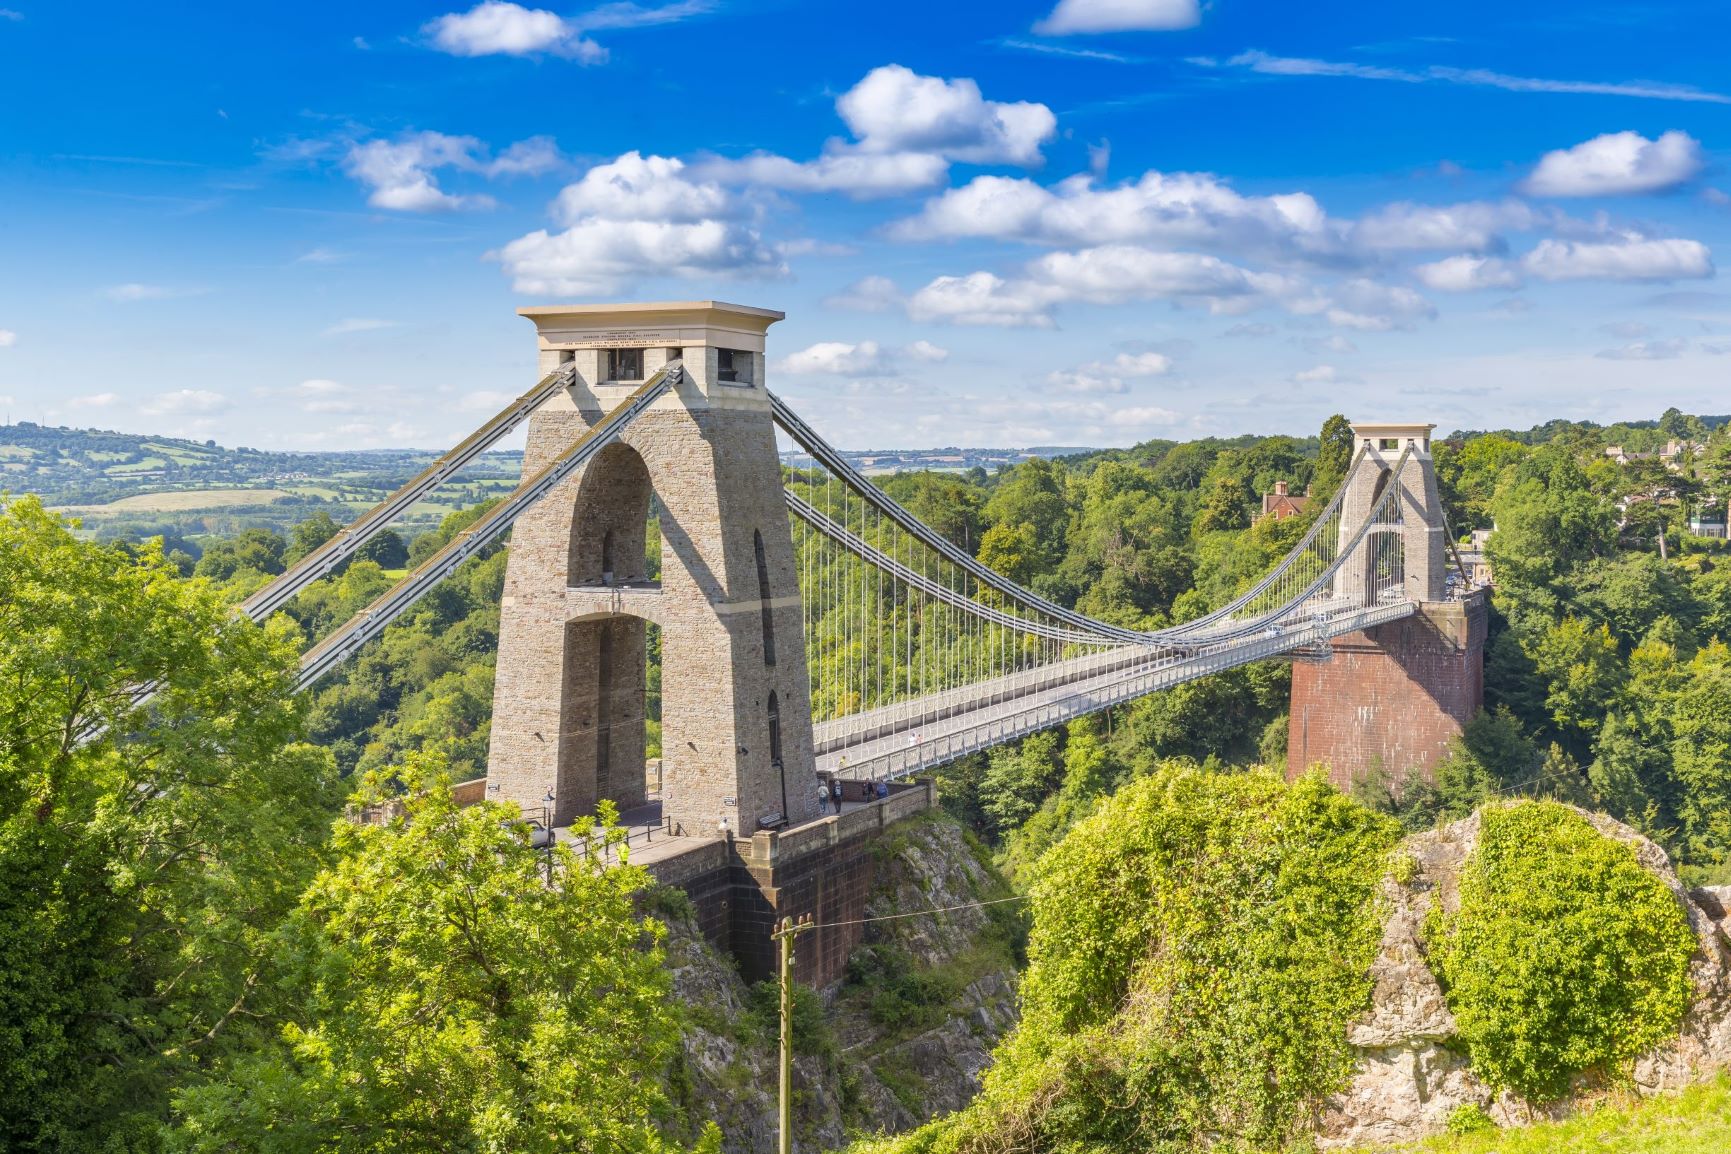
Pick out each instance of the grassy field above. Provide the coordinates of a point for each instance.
(1697, 1121)
(178, 502)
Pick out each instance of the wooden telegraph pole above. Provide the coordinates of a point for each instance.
(784, 934)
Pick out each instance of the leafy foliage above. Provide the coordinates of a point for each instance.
(147, 850)
(466, 991)
(1564, 956)
(1199, 944)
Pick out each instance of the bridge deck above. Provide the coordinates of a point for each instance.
(952, 727)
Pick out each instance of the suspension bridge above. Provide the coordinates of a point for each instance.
(806, 622)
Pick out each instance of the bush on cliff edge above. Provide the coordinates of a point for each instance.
(1565, 955)
(1200, 943)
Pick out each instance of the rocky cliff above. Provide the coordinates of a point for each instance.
(1411, 1076)
(903, 1038)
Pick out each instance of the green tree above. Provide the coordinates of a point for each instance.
(1033, 493)
(385, 549)
(1223, 506)
(465, 991)
(148, 848)
(1333, 458)
(310, 534)
(255, 550)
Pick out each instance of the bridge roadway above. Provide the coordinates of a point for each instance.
(927, 732)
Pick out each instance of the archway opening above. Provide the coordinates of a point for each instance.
(610, 533)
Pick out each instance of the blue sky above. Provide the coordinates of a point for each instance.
(309, 225)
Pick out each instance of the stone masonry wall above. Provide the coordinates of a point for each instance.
(714, 469)
(1391, 698)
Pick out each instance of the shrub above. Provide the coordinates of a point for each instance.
(1200, 943)
(1470, 1118)
(1565, 955)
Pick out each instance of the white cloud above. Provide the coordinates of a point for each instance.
(1110, 376)
(1617, 163)
(894, 109)
(1369, 306)
(872, 294)
(321, 255)
(907, 130)
(1472, 225)
(359, 325)
(861, 175)
(95, 401)
(835, 358)
(1257, 61)
(496, 28)
(11, 14)
(1457, 274)
(536, 156)
(1106, 274)
(1627, 259)
(1333, 343)
(8, 338)
(982, 298)
(638, 187)
(1646, 351)
(633, 218)
(1081, 16)
(1321, 374)
(321, 387)
(1168, 208)
(400, 172)
(185, 401)
(866, 358)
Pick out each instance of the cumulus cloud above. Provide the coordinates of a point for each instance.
(1107, 274)
(1072, 17)
(1167, 208)
(836, 358)
(1617, 163)
(8, 338)
(501, 28)
(866, 358)
(497, 28)
(185, 402)
(1646, 351)
(400, 172)
(1623, 259)
(636, 217)
(1458, 274)
(1474, 226)
(1321, 374)
(907, 129)
(1111, 376)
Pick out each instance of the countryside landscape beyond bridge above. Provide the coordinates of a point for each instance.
(806, 623)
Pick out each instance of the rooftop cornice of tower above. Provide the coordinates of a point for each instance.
(1392, 429)
(653, 315)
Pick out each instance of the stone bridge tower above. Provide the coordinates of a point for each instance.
(581, 587)
(1388, 700)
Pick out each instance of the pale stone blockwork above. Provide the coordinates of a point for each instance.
(568, 695)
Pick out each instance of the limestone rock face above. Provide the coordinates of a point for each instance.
(1409, 1079)
(885, 1076)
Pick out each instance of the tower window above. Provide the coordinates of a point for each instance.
(625, 364)
(1389, 443)
(732, 366)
